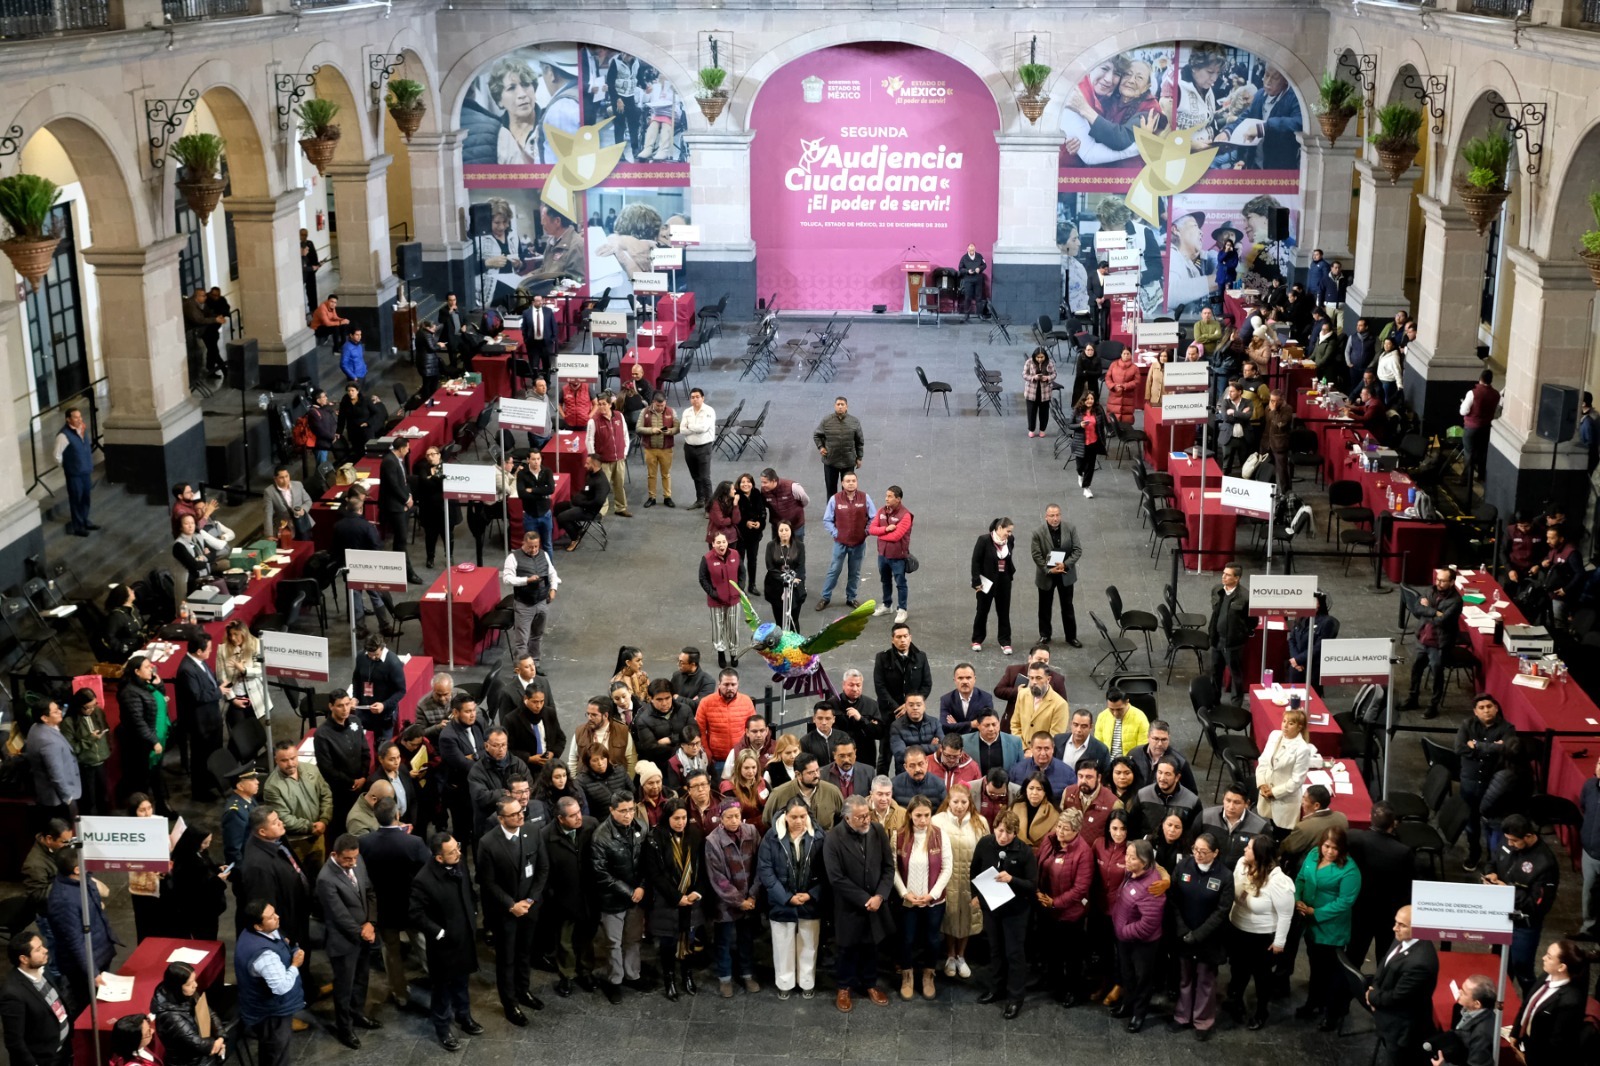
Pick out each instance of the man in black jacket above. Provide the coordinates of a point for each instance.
(267, 870)
(1229, 629)
(1401, 993)
(1480, 744)
(512, 874)
(1472, 1021)
(490, 776)
(378, 682)
(461, 743)
(352, 530)
(349, 906)
(1234, 824)
(858, 714)
(1387, 867)
(568, 920)
(860, 866)
(394, 498)
(343, 758)
(200, 714)
(532, 732)
(617, 869)
(900, 670)
(1439, 609)
(585, 505)
(1525, 862)
(690, 682)
(38, 1027)
(393, 857)
(444, 908)
(658, 729)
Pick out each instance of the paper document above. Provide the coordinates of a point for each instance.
(1055, 559)
(1344, 789)
(1319, 777)
(438, 414)
(177, 832)
(985, 584)
(192, 956)
(117, 989)
(994, 892)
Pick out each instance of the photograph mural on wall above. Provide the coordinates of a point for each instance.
(575, 154)
(866, 156)
(1183, 146)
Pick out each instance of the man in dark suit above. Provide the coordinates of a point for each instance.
(1270, 125)
(1387, 866)
(823, 734)
(349, 905)
(960, 707)
(512, 874)
(1472, 1020)
(858, 714)
(568, 920)
(378, 681)
(461, 744)
(860, 868)
(443, 906)
(267, 870)
(1229, 629)
(539, 335)
(394, 498)
(343, 757)
(843, 772)
(1401, 993)
(452, 320)
(393, 857)
(585, 504)
(1158, 746)
(200, 712)
(353, 530)
(1234, 824)
(1099, 302)
(37, 1024)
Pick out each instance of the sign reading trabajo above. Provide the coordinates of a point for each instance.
(608, 323)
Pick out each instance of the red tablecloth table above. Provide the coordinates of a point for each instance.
(654, 360)
(445, 624)
(325, 512)
(681, 307)
(441, 417)
(1422, 542)
(260, 595)
(565, 305)
(565, 454)
(147, 965)
(1275, 631)
(1265, 716)
(1355, 805)
(1558, 708)
(662, 333)
(1164, 438)
(1458, 964)
(1221, 530)
(496, 371)
(1186, 473)
(419, 682)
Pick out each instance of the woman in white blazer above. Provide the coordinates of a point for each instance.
(1281, 771)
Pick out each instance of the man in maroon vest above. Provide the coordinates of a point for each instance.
(1478, 409)
(786, 500)
(608, 443)
(849, 511)
(892, 526)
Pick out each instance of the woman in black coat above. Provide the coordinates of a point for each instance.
(1202, 898)
(359, 422)
(124, 627)
(143, 701)
(176, 1025)
(427, 490)
(675, 875)
(786, 558)
(599, 780)
(752, 525)
(994, 564)
(1088, 442)
(1006, 926)
(197, 889)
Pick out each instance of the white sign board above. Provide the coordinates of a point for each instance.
(1290, 595)
(651, 282)
(578, 365)
(666, 258)
(1185, 377)
(1471, 914)
(124, 844)
(523, 414)
(1108, 239)
(1123, 284)
(683, 235)
(1180, 407)
(1123, 258)
(1156, 334)
(608, 323)
(1355, 660)
(469, 481)
(377, 571)
(296, 654)
(1251, 498)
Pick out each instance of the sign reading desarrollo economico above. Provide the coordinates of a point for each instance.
(294, 655)
(124, 843)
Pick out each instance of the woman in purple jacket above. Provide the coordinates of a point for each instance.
(731, 869)
(1136, 919)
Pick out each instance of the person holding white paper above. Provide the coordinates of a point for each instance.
(993, 567)
(1011, 863)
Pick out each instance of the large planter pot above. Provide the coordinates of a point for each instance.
(1032, 106)
(319, 150)
(408, 119)
(1396, 161)
(1592, 261)
(31, 257)
(1481, 205)
(1333, 124)
(712, 105)
(202, 196)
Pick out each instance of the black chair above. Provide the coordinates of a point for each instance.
(1186, 619)
(402, 612)
(311, 596)
(711, 317)
(26, 633)
(498, 622)
(1163, 529)
(401, 396)
(695, 348)
(747, 433)
(1556, 812)
(247, 738)
(930, 389)
(301, 700)
(1443, 754)
(1117, 648)
(1134, 683)
(1181, 639)
(1345, 505)
(1285, 539)
(1128, 436)
(1414, 807)
(1239, 761)
(1304, 451)
(1138, 621)
(674, 375)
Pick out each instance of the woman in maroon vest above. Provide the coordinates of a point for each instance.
(922, 870)
(719, 569)
(722, 515)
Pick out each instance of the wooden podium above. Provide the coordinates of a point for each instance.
(916, 271)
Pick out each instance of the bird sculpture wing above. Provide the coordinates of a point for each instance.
(751, 619)
(840, 631)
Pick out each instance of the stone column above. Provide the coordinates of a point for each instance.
(153, 435)
(1325, 175)
(1026, 271)
(1556, 13)
(21, 532)
(271, 294)
(1442, 363)
(367, 285)
(1378, 288)
(719, 203)
(439, 208)
(1552, 329)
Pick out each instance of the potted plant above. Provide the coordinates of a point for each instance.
(26, 201)
(201, 182)
(1396, 138)
(1033, 99)
(318, 135)
(405, 104)
(1590, 253)
(1337, 105)
(710, 94)
(1483, 189)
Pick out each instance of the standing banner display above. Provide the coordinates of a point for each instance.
(1290, 596)
(469, 483)
(580, 365)
(140, 844)
(297, 655)
(1125, 258)
(1179, 407)
(1355, 661)
(607, 324)
(1125, 283)
(1183, 377)
(1467, 914)
(649, 282)
(683, 236)
(1155, 334)
(664, 259)
(1248, 497)
(523, 414)
(1106, 240)
(375, 571)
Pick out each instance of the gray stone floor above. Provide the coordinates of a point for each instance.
(958, 472)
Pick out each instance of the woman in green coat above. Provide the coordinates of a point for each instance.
(1324, 893)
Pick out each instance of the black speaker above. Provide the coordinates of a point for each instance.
(481, 219)
(408, 261)
(244, 364)
(1558, 412)
(225, 461)
(1278, 224)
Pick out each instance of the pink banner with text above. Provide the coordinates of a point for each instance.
(866, 156)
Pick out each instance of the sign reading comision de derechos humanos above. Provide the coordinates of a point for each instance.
(861, 151)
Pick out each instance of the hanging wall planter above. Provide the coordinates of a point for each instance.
(26, 201)
(406, 106)
(710, 95)
(318, 135)
(200, 155)
(1483, 190)
(1336, 105)
(1590, 251)
(1033, 75)
(1396, 139)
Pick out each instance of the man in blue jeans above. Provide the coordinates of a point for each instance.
(846, 518)
(75, 455)
(892, 527)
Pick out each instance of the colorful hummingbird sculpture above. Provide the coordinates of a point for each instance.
(796, 660)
